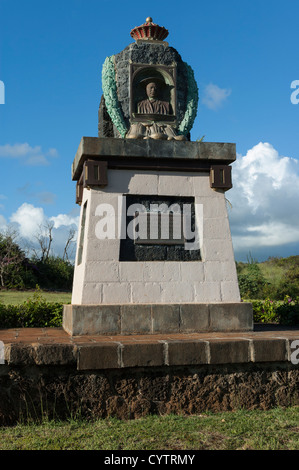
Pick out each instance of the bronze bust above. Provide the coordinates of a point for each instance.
(152, 113)
(152, 105)
(127, 110)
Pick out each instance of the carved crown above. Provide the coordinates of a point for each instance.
(149, 30)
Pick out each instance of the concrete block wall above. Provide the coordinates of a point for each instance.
(102, 279)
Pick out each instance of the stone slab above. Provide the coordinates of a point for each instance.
(98, 356)
(156, 318)
(187, 352)
(223, 351)
(270, 350)
(109, 148)
(144, 354)
(54, 347)
(230, 317)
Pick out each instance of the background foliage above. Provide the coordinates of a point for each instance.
(273, 289)
(274, 278)
(18, 271)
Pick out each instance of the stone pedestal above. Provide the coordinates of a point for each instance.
(122, 286)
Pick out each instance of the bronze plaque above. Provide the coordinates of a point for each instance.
(158, 228)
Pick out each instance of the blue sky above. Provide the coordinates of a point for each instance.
(244, 56)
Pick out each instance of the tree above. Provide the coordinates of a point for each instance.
(42, 268)
(70, 240)
(44, 239)
(252, 283)
(12, 259)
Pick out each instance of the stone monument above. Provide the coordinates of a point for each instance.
(154, 252)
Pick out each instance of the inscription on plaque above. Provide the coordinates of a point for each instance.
(159, 228)
(156, 228)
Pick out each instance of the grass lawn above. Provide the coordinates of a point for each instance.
(14, 297)
(277, 429)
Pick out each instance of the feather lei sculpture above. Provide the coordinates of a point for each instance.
(192, 103)
(110, 95)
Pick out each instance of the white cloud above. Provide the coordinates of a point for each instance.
(64, 220)
(52, 153)
(37, 160)
(29, 219)
(214, 96)
(264, 197)
(33, 156)
(17, 150)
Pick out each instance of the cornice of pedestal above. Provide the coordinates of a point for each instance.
(152, 154)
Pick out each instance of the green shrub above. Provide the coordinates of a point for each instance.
(289, 285)
(12, 262)
(264, 311)
(252, 283)
(54, 273)
(284, 312)
(35, 312)
(288, 311)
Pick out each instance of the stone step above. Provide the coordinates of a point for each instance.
(53, 346)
